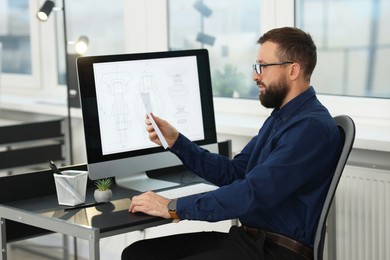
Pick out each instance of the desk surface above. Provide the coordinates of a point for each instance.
(29, 206)
(107, 217)
(91, 224)
(19, 210)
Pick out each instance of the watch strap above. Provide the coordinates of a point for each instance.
(172, 209)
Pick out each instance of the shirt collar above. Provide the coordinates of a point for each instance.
(293, 105)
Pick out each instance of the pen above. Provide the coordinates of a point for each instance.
(87, 205)
(54, 167)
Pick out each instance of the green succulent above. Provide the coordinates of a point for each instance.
(104, 184)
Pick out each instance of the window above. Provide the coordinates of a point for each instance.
(349, 63)
(105, 35)
(229, 30)
(104, 28)
(353, 45)
(18, 38)
(15, 36)
(102, 36)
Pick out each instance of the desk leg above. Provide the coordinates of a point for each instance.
(94, 250)
(65, 245)
(3, 241)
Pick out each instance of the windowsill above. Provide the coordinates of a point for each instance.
(368, 137)
(372, 121)
(48, 106)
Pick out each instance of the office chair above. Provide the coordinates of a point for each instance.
(347, 130)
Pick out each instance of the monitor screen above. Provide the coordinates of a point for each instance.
(178, 87)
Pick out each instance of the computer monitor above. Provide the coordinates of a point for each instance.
(117, 144)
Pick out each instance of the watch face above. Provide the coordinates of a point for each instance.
(172, 205)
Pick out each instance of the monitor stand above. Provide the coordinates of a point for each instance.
(141, 182)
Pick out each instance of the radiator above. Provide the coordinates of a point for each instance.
(363, 214)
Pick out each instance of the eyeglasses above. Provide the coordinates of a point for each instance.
(257, 67)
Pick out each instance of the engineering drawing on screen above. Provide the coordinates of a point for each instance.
(171, 83)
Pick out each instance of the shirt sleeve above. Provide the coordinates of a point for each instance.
(214, 168)
(284, 165)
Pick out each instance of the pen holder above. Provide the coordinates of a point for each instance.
(71, 187)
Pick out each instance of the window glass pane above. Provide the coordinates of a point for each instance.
(100, 21)
(15, 36)
(229, 30)
(102, 25)
(353, 45)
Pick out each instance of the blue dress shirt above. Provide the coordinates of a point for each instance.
(280, 179)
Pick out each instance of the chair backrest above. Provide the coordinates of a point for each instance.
(347, 130)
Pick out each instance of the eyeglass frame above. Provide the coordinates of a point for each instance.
(257, 66)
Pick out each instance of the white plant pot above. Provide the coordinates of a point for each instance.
(102, 196)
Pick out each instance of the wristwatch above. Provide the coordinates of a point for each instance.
(172, 209)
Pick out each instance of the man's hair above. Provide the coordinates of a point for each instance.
(293, 45)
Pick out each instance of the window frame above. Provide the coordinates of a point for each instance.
(40, 91)
(13, 81)
(365, 110)
(146, 30)
(229, 111)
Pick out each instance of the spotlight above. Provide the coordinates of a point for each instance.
(81, 45)
(202, 8)
(205, 39)
(44, 12)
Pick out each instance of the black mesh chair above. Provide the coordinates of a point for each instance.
(347, 129)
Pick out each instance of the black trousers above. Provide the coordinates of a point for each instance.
(236, 244)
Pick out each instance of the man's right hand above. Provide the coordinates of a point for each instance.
(169, 132)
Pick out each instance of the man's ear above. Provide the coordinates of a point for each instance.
(295, 71)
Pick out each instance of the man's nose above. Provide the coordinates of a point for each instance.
(255, 76)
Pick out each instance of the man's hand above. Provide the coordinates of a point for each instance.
(150, 203)
(168, 131)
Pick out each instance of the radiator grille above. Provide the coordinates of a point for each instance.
(363, 214)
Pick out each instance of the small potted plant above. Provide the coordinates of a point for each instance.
(103, 192)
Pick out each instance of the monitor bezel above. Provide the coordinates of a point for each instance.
(89, 107)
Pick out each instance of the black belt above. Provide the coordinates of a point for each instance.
(283, 241)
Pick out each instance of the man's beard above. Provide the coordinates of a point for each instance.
(274, 94)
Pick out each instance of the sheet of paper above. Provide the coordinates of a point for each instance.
(148, 107)
(147, 102)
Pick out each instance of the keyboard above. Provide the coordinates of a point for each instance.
(187, 190)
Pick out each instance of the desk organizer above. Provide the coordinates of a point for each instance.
(71, 187)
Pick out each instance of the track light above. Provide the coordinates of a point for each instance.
(81, 46)
(44, 12)
(205, 39)
(202, 8)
